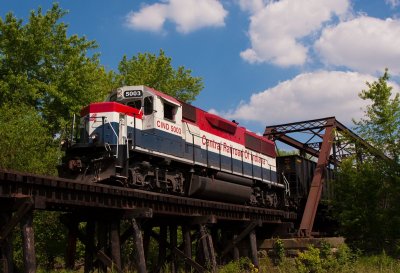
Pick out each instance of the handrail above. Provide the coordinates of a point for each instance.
(115, 133)
(287, 185)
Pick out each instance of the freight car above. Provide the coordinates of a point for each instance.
(142, 138)
(298, 172)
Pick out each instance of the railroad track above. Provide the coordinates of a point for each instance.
(53, 193)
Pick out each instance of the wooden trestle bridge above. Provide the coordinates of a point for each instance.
(103, 207)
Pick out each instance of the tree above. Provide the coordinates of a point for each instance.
(367, 192)
(381, 124)
(158, 73)
(27, 145)
(42, 67)
(25, 142)
(45, 78)
(358, 193)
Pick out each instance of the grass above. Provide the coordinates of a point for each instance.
(361, 265)
(313, 260)
(319, 261)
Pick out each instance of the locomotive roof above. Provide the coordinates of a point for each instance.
(163, 95)
(147, 89)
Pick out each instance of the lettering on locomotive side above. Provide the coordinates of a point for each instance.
(169, 127)
(210, 143)
(227, 149)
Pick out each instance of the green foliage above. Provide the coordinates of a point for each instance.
(367, 191)
(326, 249)
(158, 73)
(309, 261)
(279, 250)
(285, 152)
(42, 67)
(325, 259)
(381, 262)
(381, 124)
(50, 242)
(243, 265)
(358, 208)
(345, 255)
(25, 141)
(330, 260)
(43, 270)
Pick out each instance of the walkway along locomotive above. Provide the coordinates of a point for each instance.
(142, 138)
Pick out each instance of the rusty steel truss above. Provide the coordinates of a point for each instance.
(329, 142)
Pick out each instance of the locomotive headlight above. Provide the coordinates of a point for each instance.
(94, 137)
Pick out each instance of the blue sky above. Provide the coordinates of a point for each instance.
(263, 62)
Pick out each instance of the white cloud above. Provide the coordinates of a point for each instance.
(187, 15)
(364, 44)
(148, 18)
(307, 96)
(277, 28)
(393, 3)
(251, 6)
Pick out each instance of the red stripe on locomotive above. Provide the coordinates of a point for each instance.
(226, 129)
(101, 107)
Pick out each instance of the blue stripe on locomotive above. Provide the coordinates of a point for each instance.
(160, 141)
(163, 142)
(106, 134)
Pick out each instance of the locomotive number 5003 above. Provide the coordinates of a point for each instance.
(133, 94)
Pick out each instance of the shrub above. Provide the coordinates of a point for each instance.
(242, 265)
(279, 251)
(309, 261)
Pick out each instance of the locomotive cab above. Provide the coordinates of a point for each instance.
(159, 111)
(161, 118)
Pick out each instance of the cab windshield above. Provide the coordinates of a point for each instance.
(146, 105)
(137, 104)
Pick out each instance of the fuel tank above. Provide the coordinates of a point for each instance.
(234, 179)
(219, 190)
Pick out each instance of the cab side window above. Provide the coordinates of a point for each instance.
(148, 105)
(169, 111)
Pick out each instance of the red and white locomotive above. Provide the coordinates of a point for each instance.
(142, 138)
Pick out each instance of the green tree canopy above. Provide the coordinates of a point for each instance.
(381, 123)
(157, 72)
(367, 192)
(25, 142)
(41, 66)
